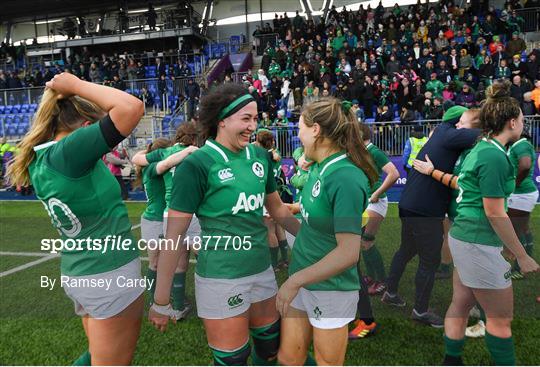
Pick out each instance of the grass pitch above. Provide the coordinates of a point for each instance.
(38, 326)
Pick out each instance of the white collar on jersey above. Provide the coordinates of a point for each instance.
(497, 144)
(44, 145)
(334, 160)
(222, 153)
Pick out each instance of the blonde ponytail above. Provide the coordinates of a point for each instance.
(53, 116)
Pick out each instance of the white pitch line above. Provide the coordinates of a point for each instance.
(136, 226)
(27, 265)
(32, 254)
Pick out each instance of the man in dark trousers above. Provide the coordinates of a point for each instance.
(423, 205)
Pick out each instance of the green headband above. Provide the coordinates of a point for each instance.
(235, 105)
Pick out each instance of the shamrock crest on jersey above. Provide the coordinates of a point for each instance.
(257, 169)
(316, 190)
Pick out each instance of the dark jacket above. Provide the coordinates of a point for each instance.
(422, 194)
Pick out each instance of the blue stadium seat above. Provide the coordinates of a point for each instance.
(11, 131)
(2, 108)
(16, 108)
(370, 120)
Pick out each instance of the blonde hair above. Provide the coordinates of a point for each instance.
(339, 125)
(53, 116)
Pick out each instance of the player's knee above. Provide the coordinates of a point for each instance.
(266, 340)
(232, 358)
(285, 358)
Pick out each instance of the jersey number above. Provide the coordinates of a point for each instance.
(76, 225)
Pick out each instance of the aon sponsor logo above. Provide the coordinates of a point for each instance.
(248, 203)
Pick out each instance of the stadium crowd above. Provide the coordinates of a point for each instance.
(396, 63)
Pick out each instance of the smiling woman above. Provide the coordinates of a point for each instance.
(225, 183)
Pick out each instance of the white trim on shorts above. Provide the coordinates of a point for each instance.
(523, 202)
(480, 266)
(380, 207)
(99, 302)
(327, 309)
(219, 299)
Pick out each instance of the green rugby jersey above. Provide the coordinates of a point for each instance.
(332, 201)
(523, 148)
(380, 159)
(486, 173)
(226, 190)
(83, 199)
(452, 207)
(154, 186)
(159, 155)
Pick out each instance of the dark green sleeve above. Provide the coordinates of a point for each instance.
(522, 150)
(155, 155)
(492, 174)
(380, 158)
(151, 170)
(347, 189)
(189, 186)
(77, 153)
(271, 185)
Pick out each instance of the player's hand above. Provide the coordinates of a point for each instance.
(508, 255)
(293, 208)
(425, 168)
(304, 164)
(64, 84)
(285, 295)
(191, 149)
(527, 264)
(159, 316)
(374, 198)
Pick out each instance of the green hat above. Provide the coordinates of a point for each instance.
(453, 114)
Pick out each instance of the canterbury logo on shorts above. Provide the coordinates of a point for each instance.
(235, 301)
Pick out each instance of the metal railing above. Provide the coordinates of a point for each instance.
(389, 137)
(531, 16)
(262, 41)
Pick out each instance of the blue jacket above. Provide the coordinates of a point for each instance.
(422, 194)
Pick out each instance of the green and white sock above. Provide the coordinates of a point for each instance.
(274, 253)
(501, 349)
(283, 249)
(178, 291)
(310, 361)
(453, 347)
(83, 360)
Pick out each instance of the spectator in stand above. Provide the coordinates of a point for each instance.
(527, 106)
(532, 67)
(160, 67)
(407, 115)
(384, 114)
(146, 96)
(535, 94)
(433, 110)
(466, 97)
(192, 93)
(516, 45)
(132, 69)
(435, 86)
(118, 83)
(140, 73)
(518, 88)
